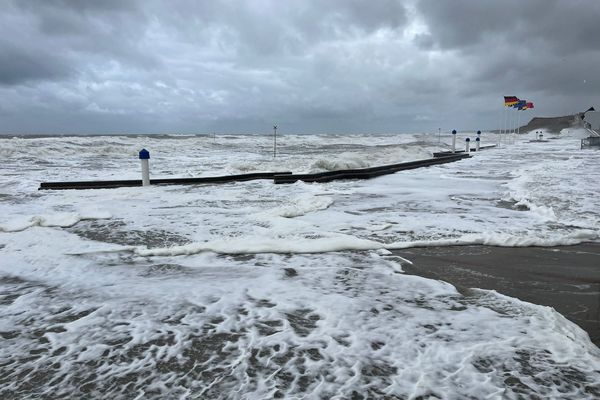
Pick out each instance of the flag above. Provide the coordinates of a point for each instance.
(510, 101)
(530, 105)
(521, 105)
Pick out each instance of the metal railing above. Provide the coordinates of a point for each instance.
(592, 141)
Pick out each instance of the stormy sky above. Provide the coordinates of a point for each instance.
(312, 66)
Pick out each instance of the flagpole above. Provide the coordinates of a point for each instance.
(506, 121)
(510, 126)
(514, 130)
(501, 124)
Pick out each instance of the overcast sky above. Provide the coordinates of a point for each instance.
(312, 66)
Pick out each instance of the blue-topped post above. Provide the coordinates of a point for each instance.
(477, 143)
(454, 140)
(468, 145)
(144, 157)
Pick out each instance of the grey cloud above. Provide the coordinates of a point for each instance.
(310, 65)
(566, 26)
(273, 29)
(541, 48)
(57, 39)
(19, 65)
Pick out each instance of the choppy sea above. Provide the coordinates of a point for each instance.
(253, 290)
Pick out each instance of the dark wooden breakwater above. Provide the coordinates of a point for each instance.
(162, 181)
(366, 173)
(449, 153)
(278, 177)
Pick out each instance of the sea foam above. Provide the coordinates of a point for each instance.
(255, 290)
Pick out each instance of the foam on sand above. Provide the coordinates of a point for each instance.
(292, 325)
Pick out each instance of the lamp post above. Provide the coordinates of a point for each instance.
(274, 140)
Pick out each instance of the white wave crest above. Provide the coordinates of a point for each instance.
(301, 206)
(345, 161)
(503, 240)
(255, 245)
(59, 220)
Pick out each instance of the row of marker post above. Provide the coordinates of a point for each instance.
(468, 142)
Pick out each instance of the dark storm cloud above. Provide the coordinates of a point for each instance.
(310, 65)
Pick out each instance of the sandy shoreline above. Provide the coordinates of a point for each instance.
(566, 278)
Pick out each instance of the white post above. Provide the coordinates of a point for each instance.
(454, 140)
(477, 144)
(468, 145)
(145, 157)
(541, 136)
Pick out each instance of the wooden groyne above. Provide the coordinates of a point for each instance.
(162, 181)
(278, 177)
(366, 173)
(449, 153)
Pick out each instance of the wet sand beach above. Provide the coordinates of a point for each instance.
(566, 278)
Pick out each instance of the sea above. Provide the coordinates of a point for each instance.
(252, 290)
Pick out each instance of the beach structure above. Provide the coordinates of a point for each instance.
(367, 173)
(591, 122)
(161, 181)
(539, 137)
(274, 141)
(590, 141)
(278, 177)
(144, 156)
(454, 141)
(468, 148)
